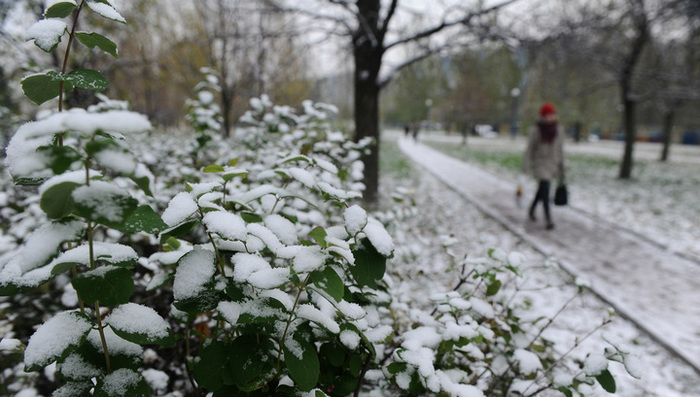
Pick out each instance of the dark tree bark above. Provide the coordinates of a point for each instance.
(669, 115)
(368, 51)
(629, 102)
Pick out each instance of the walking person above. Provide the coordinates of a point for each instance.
(544, 158)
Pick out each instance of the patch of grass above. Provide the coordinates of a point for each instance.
(392, 162)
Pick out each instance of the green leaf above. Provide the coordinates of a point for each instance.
(319, 235)
(334, 353)
(565, 391)
(207, 371)
(329, 281)
(233, 162)
(248, 358)
(143, 182)
(144, 219)
(93, 40)
(41, 87)
(606, 380)
(110, 287)
(395, 368)
(305, 370)
(87, 79)
(250, 217)
(116, 385)
(60, 10)
(213, 168)
(108, 207)
(493, 288)
(178, 230)
(369, 266)
(60, 157)
(57, 201)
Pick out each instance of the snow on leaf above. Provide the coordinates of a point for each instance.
(595, 364)
(102, 201)
(194, 270)
(121, 382)
(528, 362)
(350, 339)
(269, 278)
(309, 259)
(54, 337)
(303, 176)
(311, 313)
(339, 194)
(283, 228)
(76, 367)
(230, 310)
(227, 225)
(43, 243)
(106, 11)
(133, 318)
(115, 344)
(355, 219)
(180, 208)
(379, 237)
(46, 33)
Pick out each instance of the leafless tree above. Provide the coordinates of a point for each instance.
(373, 28)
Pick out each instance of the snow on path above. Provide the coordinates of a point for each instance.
(654, 288)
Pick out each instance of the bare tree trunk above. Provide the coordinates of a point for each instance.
(630, 127)
(641, 23)
(368, 50)
(667, 128)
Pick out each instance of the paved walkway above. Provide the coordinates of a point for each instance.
(656, 289)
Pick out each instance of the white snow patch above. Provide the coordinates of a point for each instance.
(355, 219)
(180, 208)
(194, 270)
(309, 259)
(46, 33)
(53, 337)
(133, 318)
(106, 11)
(227, 225)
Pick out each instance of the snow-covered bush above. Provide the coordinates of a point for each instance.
(86, 175)
(204, 115)
(272, 279)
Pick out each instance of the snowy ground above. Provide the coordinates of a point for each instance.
(446, 211)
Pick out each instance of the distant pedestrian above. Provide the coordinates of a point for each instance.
(406, 129)
(544, 158)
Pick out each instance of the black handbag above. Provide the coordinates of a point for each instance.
(561, 195)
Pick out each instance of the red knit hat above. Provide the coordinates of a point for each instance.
(546, 109)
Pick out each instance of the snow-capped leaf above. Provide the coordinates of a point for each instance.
(47, 33)
(139, 324)
(93, 40)
(106, 10)
(122, 382)
(55, 339)
(111, 285)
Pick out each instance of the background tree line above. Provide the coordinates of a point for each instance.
(613, 67)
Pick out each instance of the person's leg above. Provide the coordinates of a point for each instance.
(538, 197)
(544, 188)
